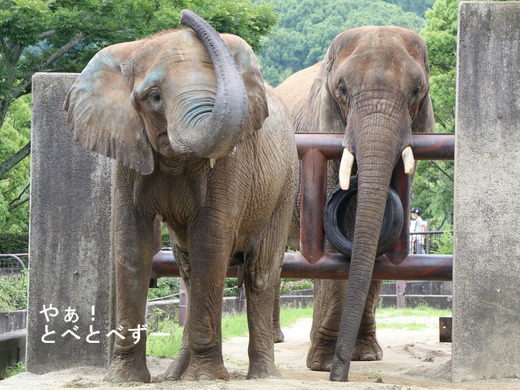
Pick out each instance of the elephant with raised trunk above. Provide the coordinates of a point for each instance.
(372, 86)
(200, 141)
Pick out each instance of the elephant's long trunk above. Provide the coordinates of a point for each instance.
(377, 151)
(218, 134)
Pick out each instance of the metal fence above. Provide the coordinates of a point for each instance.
(432, 242)
(12, 264)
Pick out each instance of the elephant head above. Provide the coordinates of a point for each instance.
(372, 86)
(177, 95)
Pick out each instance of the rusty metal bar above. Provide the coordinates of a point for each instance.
(401, 184)
(432, 146)
(314, 150)
(336, 266)
(313, 196)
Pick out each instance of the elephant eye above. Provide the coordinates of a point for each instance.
(155, 96)
(416, 92)
(342, 90)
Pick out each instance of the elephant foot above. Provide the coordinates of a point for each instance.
(205, 369)
(367, 349)
(320, 355)
(259, 370)
(278, 336)
(127, 369)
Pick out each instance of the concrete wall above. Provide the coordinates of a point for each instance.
(486, 284)
(416, 293)
(12, 320)
(69, 240)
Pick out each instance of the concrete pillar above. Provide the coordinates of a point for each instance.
(486, 274)
(70, 287)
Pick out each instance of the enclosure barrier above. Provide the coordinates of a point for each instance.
(313, 261)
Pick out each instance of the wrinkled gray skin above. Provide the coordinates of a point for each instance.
(372, 86)
(163, 110)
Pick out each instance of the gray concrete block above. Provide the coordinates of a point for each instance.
(12, 349)
(486, 288)
(13, 320)
(69, 248)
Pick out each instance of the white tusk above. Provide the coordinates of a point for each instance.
(408, 160)
(345, 169)
(212, 162)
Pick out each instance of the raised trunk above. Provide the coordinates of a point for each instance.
(218, 134)
(376, 154)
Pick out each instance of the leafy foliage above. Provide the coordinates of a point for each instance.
(14, 243)
(14, 134)
(13, 292)
(433, 185)
(417, 7)
(307, 27)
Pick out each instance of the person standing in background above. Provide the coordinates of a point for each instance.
(418, 226)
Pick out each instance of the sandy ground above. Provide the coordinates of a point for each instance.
(413, 360)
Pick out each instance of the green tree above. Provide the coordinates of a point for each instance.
(417, 7)
(307, 27)
(433, 186)
(62, 35)
(14, 186)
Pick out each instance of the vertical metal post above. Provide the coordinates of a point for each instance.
(400, 287)
(313, 196)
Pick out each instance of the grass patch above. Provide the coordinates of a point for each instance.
(418, 318)
(14, 370)
(419, 311)
(166, 341)
(169, 339)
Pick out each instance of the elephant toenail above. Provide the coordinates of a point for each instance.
(204, 377)
(368, 357)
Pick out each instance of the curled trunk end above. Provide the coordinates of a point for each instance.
(216, 136)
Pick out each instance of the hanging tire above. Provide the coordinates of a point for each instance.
(337, 223)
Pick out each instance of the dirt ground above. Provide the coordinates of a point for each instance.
(413, 360)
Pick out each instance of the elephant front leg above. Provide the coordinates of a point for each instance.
(133, 268)
(133, 243)
(262, 278)
(329, 297)
(367, 348)
(209, 252)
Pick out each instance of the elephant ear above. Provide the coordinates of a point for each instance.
(423, 121)
(331, 118)
(101, 114)
(251, 72)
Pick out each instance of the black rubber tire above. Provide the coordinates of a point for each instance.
(335, 225)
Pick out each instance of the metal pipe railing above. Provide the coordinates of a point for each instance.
(314, 150)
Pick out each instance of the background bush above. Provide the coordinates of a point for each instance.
(14, 243)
